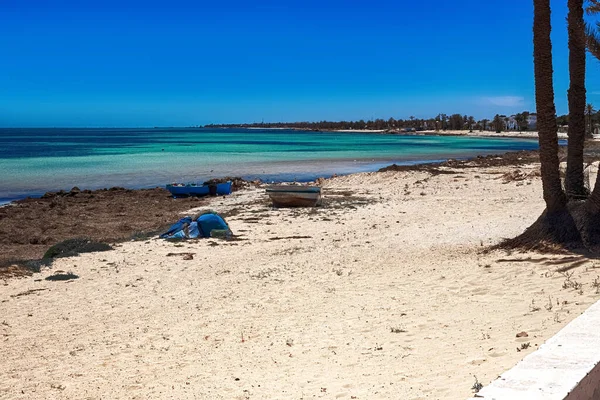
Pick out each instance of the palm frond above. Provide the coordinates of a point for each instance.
(592, 36)
(593, 7)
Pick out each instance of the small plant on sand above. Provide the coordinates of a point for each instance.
(524, 346)
(338, 272)
(398, 329)
(557, 318)
(533, 307)
(570, 283)
(262, 274)
(567, 283)
(596, 284)
(477, 386)
(549, 305)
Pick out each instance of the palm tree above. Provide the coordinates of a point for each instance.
(574, 185)
(497, 123)
(554, 196)
(484, 123)
(471, 122)
(444, 121)
(520, 119)
(391, 123)
(589, 112)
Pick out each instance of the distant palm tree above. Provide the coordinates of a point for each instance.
(497, 123)
(554, 195)
(520, 119)
(589, 112)
(471, 122)
(484, 123)
(574, 184)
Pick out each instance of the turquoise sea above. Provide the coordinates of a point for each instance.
(34, 161)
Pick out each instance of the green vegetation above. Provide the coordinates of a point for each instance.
(520, 122)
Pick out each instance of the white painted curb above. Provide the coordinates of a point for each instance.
(566, 367)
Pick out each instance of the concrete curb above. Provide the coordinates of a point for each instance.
(566, 367)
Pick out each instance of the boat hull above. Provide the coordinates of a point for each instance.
(178, 191)
(203, 190)
(224, 188)
(295, 196)
(199, 190)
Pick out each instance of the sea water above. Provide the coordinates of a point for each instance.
(34, 161)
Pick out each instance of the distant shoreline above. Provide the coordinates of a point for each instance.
(492, 134)
(505, 134)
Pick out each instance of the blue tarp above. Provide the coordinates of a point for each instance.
(188, 228)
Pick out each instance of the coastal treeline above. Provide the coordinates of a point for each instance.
(524, 121)
(440, 122)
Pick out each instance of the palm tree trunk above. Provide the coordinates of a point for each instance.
(544, 97)
(574, 181)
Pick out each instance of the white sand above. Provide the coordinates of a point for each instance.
(475, 133)
(515, 134)
(275, 317)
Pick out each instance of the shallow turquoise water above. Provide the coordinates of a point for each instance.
(33, 161)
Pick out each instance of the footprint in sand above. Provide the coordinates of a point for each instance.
(477, 361)
(479, 291)
(497, 353)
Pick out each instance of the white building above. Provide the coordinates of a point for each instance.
(532, 122)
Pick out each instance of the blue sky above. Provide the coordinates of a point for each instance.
(180, 63)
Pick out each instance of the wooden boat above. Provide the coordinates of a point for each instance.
(294, 196)
(191, 189)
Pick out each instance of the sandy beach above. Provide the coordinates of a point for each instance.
(385, 292)
(516, 134)
(449, 132)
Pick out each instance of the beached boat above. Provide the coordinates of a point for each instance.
(294, 196)
(191, 189)
(198, 190)
(223, 188)
(178, 189)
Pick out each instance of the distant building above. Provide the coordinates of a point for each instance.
(532, 121)
(512, 124)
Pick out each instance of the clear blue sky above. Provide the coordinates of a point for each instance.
(180, 63)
